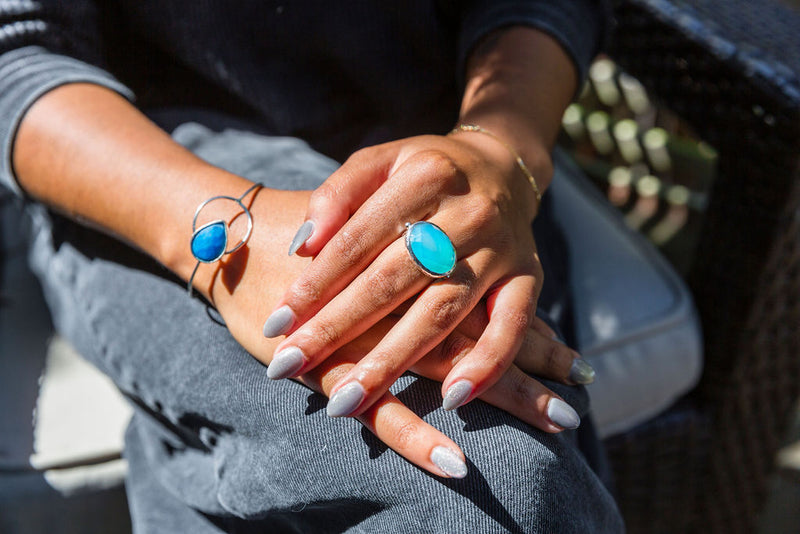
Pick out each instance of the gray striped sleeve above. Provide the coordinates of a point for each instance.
(26, 74)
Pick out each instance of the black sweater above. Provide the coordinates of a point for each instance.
(338, 74)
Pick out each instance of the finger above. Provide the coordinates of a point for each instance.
(515, 392)
(512, 308)
(333, 202)
(435, 313)
(539, 354)
(545, 410)
(544, 356)
(538, 324)
(414, 439)
(376, 224)
(392, 278)
(395, 425)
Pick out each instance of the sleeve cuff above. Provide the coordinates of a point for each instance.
(25, 75)
(579, 26)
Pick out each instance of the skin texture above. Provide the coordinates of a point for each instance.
(87, 152)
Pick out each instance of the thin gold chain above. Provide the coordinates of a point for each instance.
(517, 157)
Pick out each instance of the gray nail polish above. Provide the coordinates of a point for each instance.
(346, 400)
(449, 462)
(581, 372)
(301, 236)
(279, 322)
(562, 414)
(286, 363)
(457, 394)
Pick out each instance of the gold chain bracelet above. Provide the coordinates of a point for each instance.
(517, 157)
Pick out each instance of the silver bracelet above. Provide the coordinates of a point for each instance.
(210, 242)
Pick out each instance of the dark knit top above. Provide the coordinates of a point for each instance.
(340, 75)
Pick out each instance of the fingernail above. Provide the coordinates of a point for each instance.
(286, 363)
(562, 414)
(302, 235)
(449, 462)
(457, 394)
(279, 322)
(581, 372)
(346, 400)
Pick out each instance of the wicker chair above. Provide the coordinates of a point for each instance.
(731, 68)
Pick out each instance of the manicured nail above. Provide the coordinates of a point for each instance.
(449, 462)
(562, 414)
(346, 400)
(301, 236)
(457, 394)
(581, 372)
(279, 322)
(286, 363)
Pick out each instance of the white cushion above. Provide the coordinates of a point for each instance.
(80, 415)
(635, 321)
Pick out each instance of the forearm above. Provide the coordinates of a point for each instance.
(519, 81)
(86, 151)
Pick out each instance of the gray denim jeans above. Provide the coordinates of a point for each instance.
(215, 446)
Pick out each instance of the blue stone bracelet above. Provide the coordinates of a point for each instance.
(210, 241)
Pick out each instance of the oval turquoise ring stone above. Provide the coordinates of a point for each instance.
(209, 241)
(431, 249)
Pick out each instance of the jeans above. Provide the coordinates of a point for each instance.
(215, 446)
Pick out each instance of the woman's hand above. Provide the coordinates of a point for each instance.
(243, 285)
(518, 82)
(469, 186)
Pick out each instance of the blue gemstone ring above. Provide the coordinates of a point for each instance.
(430, 248)
(210, 241)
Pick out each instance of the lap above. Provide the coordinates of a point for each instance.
(234, 450)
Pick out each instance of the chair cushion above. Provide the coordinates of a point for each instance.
(635, 321)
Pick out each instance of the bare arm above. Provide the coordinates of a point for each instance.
(86, 151)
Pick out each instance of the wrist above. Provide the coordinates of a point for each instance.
(522, 181)
(171, 236)
(518, 138)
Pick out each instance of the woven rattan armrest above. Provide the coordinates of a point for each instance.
(731, 68)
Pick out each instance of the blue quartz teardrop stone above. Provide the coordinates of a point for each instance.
(431, 247)
(209, 241)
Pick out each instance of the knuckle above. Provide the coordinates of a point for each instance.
(325, 333)
(348, 247)
(444, 313)
(323, 195)
(436, 166)
(360, 156)
(305, 291)
(484, 211)
(493, 365)
(404, 434)
(520, 392)
(455, 347)
(517, 321)
(357, 160)
(382, 286)
(554, 354)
